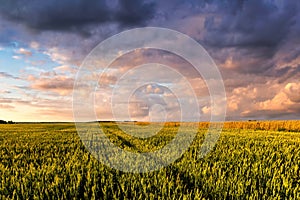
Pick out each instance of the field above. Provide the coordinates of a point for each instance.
(251, 160)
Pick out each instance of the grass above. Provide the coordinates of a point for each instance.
(249, 161)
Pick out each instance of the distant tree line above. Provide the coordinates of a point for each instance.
(6, 122)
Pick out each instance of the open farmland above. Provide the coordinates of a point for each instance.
(251, 160)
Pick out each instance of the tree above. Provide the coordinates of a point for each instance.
(3, 122)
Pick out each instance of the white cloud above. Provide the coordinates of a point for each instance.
(16, 57)
(34, 45)
(56, 55)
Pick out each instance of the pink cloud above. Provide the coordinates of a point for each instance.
(23, 51)
(268, 102)
(62, 85)
(292, 90)
(65, 68)
(6, 106)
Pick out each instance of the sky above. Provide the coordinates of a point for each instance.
(254, 43)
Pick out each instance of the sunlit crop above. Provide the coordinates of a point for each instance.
(257, 160)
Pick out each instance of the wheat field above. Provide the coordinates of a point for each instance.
(251, 160)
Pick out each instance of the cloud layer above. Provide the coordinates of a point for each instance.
(75, 15)
(254, 43)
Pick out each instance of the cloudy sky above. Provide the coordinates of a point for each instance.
(255, 44)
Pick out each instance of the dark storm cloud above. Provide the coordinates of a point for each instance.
(255, 29)
(251, 32)
(132, 12)
(249, 24)
(74, 14)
